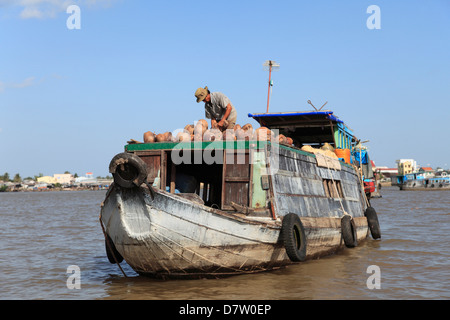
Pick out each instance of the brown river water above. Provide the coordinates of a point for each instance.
(43, 233)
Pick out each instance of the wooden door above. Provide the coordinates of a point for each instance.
(236, 181)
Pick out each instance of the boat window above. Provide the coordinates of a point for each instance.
(333, 188)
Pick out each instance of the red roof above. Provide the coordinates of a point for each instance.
(427, 169)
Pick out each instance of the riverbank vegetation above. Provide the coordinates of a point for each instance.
(17, 183)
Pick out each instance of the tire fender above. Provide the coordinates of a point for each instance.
(372, 222)
(128, 170)
(293, 237)
(348, 229)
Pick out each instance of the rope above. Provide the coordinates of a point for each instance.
(109, 246)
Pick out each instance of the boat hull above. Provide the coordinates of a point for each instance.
(164, 235)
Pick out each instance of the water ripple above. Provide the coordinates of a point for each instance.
(44, 233)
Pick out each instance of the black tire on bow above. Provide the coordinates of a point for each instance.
(372, 221)
(294, 237)
(128, 170)
(111, 251)
(348, 229)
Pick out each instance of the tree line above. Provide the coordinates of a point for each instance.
(7, 178)
(17, 178)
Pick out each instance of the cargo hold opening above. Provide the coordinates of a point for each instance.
(221, 182)
(205, 180)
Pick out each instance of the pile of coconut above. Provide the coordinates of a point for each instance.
(201, 132)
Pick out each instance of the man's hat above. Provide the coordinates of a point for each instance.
(201, 94)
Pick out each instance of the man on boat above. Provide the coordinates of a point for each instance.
(218, 108)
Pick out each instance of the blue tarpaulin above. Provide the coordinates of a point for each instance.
(363, 154)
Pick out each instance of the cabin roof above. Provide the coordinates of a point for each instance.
(306, 127)
(292, 118)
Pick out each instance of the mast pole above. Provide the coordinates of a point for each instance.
(268, 91)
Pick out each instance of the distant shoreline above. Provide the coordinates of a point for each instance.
(94, 188)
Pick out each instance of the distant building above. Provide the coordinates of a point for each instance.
(406, 166)
(29, 182)
(387, 172)
(64, 178)
(46, 179)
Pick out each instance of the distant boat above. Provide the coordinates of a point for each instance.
(419, 181)
(275, 206)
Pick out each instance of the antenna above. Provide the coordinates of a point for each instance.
(323, 105)
(309, 101)
(270, 65)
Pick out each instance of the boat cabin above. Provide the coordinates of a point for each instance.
(309, 128)
(233, 175)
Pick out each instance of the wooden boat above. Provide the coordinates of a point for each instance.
(236, 207)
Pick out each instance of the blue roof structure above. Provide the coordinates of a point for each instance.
(308, 127)
(328, 115)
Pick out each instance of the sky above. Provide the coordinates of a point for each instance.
(70, 99)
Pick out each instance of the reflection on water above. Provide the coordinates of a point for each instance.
(44, 233)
